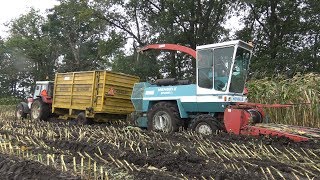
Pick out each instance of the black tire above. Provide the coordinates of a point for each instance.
(20, 112)
(170, 114)
(205, 124)
(40, 110)
(82, 119)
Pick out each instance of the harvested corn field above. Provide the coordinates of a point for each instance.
(58, 150)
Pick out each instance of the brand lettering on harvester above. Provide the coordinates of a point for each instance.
(167, 90)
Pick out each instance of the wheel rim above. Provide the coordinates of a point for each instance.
(36, 112)
(161, 121)
(204, 128)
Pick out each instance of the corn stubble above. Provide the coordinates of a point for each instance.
(106, 152)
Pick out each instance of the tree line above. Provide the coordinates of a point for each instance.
(79, 35)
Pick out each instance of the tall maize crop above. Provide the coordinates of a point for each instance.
(301, 90)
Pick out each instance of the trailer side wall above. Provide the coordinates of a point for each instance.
(100, 92)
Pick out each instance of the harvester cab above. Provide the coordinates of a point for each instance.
(222, 69)
(216, 102)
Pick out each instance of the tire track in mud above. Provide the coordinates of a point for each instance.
(191, 166)
(16, 168)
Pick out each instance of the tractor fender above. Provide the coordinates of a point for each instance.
(182, 112)
(25, 107)
(45, 99)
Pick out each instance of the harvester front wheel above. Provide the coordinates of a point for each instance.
(40, 110)
(164, 116)
(205, 124)
(20, 112)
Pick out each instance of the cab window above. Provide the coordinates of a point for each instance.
(205, 68)
(222, 66)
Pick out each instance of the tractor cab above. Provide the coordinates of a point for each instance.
(43, 88)
(222, 68)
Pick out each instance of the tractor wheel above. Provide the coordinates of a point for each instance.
(205, 124)
(20, 113)
(164, 116)
(82, 119)
(40, 110)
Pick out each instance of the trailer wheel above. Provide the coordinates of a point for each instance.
(40, 110)
(164, 116)
(82, 119)
(20, 112)
(205, 124)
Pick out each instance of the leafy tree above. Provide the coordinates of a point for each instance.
(31, 48)
(310, 55)
(3, 85)
(284, 35)
(189, 23)
(143, 65)
(69, 39)
(29, 54)
(83, 37)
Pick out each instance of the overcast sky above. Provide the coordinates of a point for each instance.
(10, 9)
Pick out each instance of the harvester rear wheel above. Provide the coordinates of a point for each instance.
(20, 113)
(40, 110)
(205, 124)
(164, 116)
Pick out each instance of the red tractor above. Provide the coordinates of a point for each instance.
(38, 104)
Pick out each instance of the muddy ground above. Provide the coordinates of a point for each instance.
(59, 150)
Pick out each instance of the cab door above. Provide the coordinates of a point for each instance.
(204, 71)
(37, 91)
(213, 70)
